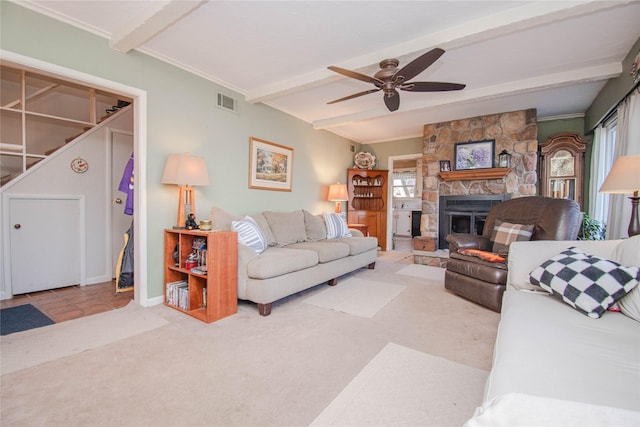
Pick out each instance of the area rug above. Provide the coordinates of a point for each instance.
(356, 296)
(405, 387)
(22, 318)
(435, 274)
(34, 347)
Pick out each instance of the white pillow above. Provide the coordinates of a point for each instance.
(249, 234)
(628, 253)
(336, 226)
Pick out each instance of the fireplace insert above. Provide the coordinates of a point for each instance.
(464, 214)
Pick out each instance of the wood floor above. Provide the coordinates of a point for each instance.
(74, 301)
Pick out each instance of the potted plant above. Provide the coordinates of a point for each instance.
(592, 229)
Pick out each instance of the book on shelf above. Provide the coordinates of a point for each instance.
(178, 294)
(201, 269)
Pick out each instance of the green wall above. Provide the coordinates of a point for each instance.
(384, 150)
(183, 117)
(613, 92)
(546, 128)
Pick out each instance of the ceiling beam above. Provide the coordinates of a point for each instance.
(154, 19)
(510, 21)
(583, 75)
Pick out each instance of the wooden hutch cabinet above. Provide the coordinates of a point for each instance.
(562, 166)
(368, 201)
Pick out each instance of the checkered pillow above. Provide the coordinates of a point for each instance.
(587, 283)
(505, 233)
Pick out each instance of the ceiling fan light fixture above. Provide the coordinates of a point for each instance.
(389, 79)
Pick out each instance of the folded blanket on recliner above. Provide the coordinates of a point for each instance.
(483, 255)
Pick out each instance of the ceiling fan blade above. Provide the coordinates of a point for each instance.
(356, 75)
(355, 95)
(392, 100)
(417, 66)
(431, 86)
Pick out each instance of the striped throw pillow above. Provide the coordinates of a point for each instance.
(249, 234)
(336, 226)
(505, 233)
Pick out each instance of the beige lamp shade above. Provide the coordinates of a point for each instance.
(183, 169)
(338, 194)
(624, 176)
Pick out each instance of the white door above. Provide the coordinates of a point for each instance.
(46, 241)
(121, 149)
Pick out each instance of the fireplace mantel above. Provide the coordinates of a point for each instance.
(493, 173)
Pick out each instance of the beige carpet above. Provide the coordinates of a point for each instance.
(41, 345)
(356, 296)
(245, 370)
(405, 387)
(427, 272)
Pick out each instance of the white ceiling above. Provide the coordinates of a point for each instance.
(551, 55)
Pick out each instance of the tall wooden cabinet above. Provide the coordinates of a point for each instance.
(368, 201)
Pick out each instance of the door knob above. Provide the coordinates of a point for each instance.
(17, 226)
(118, 201)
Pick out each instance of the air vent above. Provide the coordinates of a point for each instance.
(227, 103)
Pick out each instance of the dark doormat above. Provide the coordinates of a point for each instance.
(22, 318)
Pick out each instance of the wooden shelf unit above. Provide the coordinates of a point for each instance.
(220, 281)
(41, 113)
(368, 201)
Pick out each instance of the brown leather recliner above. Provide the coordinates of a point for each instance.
(484, 282)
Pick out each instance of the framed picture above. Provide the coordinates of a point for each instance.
(445, 166)
(475, 155)
(270, 165)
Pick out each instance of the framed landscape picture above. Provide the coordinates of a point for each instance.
(270, 165)
(475, 155)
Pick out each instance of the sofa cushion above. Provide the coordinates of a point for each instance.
(358, 245)
(221, 219)
(249, 234)
(275, 262)
(287, 227)
(264, 227)
(336, 226)
(314, 226)
(587, 283)
(505, 233)
(327, 250)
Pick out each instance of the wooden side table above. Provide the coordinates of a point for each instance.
(363, 228)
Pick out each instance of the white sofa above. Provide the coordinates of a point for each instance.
(554, 366)
(299, 255)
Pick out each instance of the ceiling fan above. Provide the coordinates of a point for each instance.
(389, 79)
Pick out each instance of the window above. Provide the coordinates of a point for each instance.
(404, 183)
(602, 160)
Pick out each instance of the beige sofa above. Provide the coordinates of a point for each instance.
(298, 255)
(554, 365)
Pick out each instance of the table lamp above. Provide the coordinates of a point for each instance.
(624, 178)
(185, 171)
(338, 194)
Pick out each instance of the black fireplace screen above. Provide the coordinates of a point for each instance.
(464, 214)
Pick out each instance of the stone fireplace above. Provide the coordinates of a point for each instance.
(516, 132)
